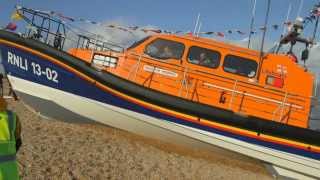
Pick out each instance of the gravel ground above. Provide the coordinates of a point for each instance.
(58, 150)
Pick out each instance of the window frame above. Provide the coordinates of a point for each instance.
(165, 59)
(138, 43)
(228, 55)
(218, 52)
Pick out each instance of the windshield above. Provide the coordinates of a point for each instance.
(137, 43)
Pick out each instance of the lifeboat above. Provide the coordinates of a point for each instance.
(178, 88)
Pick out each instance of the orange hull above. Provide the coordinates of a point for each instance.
(282, 93)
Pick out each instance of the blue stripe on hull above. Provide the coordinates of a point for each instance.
(26, 68)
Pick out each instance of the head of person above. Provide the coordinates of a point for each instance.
(202, 56)
(166, 49)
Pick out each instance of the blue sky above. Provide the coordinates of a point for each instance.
(216, 15)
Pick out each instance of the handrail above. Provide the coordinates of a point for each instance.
(232, 95)
(282, 106)
(252, 95)
(279, 101)
(234, 91)
(212, 75)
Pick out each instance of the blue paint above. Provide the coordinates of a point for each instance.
(71, 83)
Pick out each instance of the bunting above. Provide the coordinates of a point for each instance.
(313, 14)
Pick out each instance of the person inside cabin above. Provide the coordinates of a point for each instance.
(166, 53)
(204, 60)
(204, 57)
(57, 43)
(36, 35)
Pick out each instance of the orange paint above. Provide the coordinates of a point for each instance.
(286, 100)
(126, 57)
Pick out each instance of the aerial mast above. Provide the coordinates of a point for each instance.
(252, 21)
(197, 23)
(263, 38)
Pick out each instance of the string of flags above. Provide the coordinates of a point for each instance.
(16, 16)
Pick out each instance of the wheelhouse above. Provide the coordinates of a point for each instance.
(214, 73)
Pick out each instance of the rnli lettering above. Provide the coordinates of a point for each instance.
(17, 61)
(36, 69)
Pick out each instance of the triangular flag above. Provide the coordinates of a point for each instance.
(152, 30)
(65, 17)
(16, 16)
(316, 12)
(275, 26)
(209, 33)
(240, 32)
(133, 27)
(253, 32)
(189, 34)
(123, 29)
(288, 23)
(220, 34)
(11, 26)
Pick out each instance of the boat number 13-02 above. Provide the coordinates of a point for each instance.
(51, 74)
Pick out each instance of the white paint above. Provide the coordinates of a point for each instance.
(157, 70)
(162, 129)
(17, 61)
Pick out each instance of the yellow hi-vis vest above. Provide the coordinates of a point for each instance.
(7, 136)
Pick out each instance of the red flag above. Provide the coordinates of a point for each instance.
(288, 23)
(316, 12)
(221, 34)
(11, 26)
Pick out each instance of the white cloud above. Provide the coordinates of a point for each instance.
(108, 34)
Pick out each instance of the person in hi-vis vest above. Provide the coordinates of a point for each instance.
(10, 142)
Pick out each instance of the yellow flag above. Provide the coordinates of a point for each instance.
(16, 16)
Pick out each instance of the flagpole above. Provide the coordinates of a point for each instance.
(252, 21)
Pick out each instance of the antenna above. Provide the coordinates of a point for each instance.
(287, 19)
(196, 26)
(200, 24)
(252, 20)
(317, 23)
(300, 7)
(262, 42)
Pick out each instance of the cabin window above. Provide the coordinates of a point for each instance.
(204, 57)
(165, 49)
(241, 66)
(102, 60)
